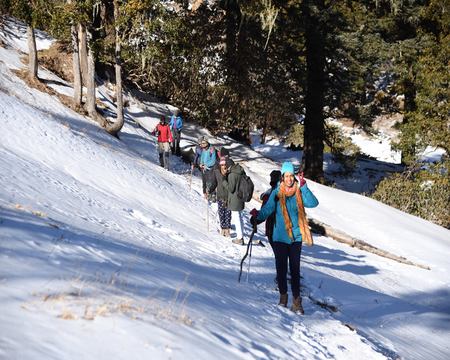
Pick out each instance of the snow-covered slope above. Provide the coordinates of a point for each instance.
(103, 254)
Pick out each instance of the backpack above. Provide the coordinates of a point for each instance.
(245, 188)
(213, 150)
(270, 221)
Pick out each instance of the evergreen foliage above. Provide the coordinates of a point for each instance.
(36, 13)
(423, 192)
(419, 32)
(295, 136)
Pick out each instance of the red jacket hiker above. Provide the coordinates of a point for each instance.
(163, 132)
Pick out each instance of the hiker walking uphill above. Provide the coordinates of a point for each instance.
(287, 201)
(162, 131)
(222, 197)
(207, 164)
(176, 125)
(235, 201)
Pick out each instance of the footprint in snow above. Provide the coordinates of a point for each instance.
(153, 224)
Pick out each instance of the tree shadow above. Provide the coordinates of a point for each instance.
(83, 254)
(337, 260)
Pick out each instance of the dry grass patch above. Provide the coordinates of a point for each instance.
(89, 299)
(30, 210)
(58, 60)
(73, 306)
(67, 315)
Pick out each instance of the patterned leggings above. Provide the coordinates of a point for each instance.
(224, 215)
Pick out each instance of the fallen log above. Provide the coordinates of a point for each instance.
(326, 230)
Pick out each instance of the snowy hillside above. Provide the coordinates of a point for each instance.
(105, 255)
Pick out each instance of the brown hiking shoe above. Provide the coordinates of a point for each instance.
(283, 300)
(226, 233)
(297, 305)
(238, 241)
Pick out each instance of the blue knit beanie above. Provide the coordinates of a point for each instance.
(287, 167)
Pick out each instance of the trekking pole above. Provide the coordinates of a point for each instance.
(249, 258)
(190, 178)
(207, 212)
(246, 253)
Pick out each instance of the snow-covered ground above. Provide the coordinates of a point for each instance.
(377, 146)
(105, 255)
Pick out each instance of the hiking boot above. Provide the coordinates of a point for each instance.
(226, 233)
(283, 300)
(238, 241)
(297, 305)
(222, 232)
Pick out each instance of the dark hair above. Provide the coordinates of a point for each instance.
(229, 163)
(275, 177)
(224, 152)
(162, 119)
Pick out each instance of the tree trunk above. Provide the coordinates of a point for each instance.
(32, 53)
(314, 132)
(90, 80)
(410, 91)
(77, 86)
(232, 26)
(83, 53)
(117, 126)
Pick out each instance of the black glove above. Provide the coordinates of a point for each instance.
(253, 221)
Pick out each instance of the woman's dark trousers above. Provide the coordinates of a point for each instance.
(283, 253)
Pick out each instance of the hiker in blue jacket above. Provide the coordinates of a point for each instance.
(207, 164)
(176, 125)
(287, 201)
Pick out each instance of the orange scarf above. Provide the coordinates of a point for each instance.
(302, 221)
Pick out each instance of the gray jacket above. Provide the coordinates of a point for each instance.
(217, 184)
